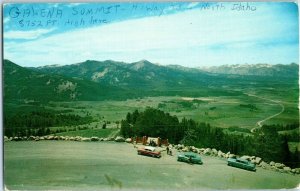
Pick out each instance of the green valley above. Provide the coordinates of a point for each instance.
(92, 98)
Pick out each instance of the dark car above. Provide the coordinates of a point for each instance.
(241, 163)
(189, 157)
(149, 151)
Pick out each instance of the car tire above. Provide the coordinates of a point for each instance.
(139, 153)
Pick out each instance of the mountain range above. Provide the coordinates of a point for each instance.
(256, 69)
(103, 80)
(140, 74)
(31, 85)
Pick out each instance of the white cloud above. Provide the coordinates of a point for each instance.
(186, 38)
(26, 35)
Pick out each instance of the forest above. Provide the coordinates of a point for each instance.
(266, 143)
(38, 122)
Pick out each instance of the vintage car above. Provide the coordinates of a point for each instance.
(189, 157)
(149, 151)
(241, 163)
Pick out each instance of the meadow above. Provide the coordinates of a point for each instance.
(219, 111)
(246, 107)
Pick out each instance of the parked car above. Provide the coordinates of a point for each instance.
(149, 151)
(241, 163)
(189, 157)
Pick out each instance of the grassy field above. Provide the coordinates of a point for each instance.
(244, 110)
(218, 111)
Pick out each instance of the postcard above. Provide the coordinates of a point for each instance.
(150, 95)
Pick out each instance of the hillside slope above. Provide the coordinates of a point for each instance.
(95, 80)
(142, 74)
(33, 86)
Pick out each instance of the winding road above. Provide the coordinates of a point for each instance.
(259, 123)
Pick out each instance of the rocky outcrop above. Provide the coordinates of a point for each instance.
(85, 139)
(185, 149)
(287, 169)
(279, 165)
(214, 152)
(128, 140)
(193, 149)
(5, 139)
(207, 151)
(265, 165)
(120, 139)
(253, 159)
(17, 139)
(50, 137)
(180, 147)
(276, 166)
(245, 157)
(95, 139)
(220, 154)
(296, 170)
(66, 138)
(258, 160)
(77, 138)
(31, 138)
(201, 150)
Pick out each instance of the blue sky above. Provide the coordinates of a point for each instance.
(190, 34)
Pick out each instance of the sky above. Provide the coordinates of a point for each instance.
(190, 34)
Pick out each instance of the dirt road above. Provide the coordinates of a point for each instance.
(259, 123)
(104, 165)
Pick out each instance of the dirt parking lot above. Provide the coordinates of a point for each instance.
(64, 165)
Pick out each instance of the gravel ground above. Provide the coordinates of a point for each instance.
(65, 165)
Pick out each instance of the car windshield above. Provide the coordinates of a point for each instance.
(149, 149)
(242, 161)
(190, 155)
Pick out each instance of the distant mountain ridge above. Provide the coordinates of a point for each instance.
(139, 74)
(111, 80)
(256, 69)
(96, 70)
(31, 86)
